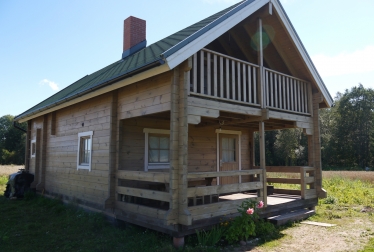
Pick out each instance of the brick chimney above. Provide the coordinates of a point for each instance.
(134, 38)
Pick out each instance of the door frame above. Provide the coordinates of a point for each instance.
(229, 132)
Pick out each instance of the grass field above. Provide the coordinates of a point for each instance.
(40, 224)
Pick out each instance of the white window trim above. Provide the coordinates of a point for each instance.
(148, 166)
(32, 142)
(231, 132)
(80, 135)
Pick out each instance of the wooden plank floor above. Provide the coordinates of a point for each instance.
(273, 200)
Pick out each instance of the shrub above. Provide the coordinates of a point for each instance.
(211, 237)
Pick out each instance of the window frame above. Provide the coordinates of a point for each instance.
(33, 153)
(84, 135)
(153, 166)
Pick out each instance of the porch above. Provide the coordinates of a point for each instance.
(150, 202)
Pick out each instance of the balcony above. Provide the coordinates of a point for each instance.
(220, 77)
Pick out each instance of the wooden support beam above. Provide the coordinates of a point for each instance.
(260, 63)
(193, 119)
(262, 159)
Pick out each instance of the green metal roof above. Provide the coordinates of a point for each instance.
(144, 59)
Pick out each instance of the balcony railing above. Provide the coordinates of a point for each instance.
(221, 77)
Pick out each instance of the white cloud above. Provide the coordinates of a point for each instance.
(360, 61)
(51, 84)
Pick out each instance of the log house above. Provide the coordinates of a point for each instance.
(164, 137)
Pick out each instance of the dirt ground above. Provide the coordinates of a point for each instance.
(9, 169)
(348, 235)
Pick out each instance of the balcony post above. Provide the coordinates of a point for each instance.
(260, 62)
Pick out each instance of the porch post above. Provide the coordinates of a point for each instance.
(262, 159)
(321, 193)
(178, 212)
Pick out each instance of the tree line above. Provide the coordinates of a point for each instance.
(347, 136)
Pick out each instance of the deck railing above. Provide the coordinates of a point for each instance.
(202, 197)
(284, 92)
(221, 77)
(304, 178)
(224, 78)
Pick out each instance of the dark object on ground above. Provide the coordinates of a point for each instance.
(270, 189)
(18, 184)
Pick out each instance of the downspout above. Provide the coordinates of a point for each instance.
(18, 127)
(27, 160)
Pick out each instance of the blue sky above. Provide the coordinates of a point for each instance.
(47, 45)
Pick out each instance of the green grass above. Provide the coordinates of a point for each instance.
(40, 224)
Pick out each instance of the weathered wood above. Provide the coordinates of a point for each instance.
(193, 175)
(144, 193)
(200, 111)
(193, 119)
(221, 189)
(142, 210)
(283, 180)
(262, 160)
(161, 177)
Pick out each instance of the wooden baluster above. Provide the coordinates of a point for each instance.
(221, 76)
(271, 90)
(244, 83)
(305, 95)
(267, 85)
(249, 84)
(215, 77)
(292, 87)
(302, 96)
(233, 79)
(280, 91)
(239, 82)
(227, 79)
(284, 92)
(208, 73)
(288, 93)
(254, 85)
(201, 72)
(276, 90)
(298, 96)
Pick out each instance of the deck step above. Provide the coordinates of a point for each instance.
(292, 216)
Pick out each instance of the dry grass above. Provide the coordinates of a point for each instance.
(365, 176)
(9, 169)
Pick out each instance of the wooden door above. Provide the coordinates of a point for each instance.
(229, 157)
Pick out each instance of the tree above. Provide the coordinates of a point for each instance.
(354, 127)
(12, 141)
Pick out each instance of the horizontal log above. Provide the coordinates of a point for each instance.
(143, 193)
(286, 169)
(217, 209)
(161, 177)
(221, 189)
(284, 181)
(287, 191)
(223, 174)
(142, 210)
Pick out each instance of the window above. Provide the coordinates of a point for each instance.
(84, 150)
(157, 149)
(228, 149)
(33, 148)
